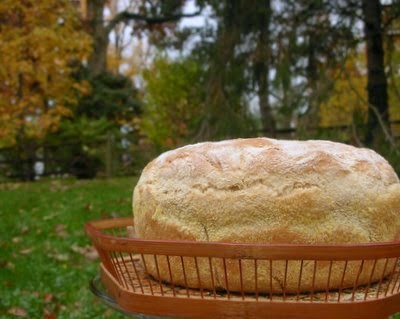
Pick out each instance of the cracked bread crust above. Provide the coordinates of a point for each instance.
(263, 190)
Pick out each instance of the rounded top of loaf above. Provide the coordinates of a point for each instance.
(266, 190)
(283, 165)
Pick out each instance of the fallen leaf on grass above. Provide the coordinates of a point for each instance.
(24, 229)
(63, 308)
(61, 231)
(10, 265)
(17, 311)
(49, 315)
(49, 217)
(10, 186)
(58, 186)
(51, 306)
(88, 251)
(16, 240)
(48, 298)
(59, 257)
(34, 294)
(26, 251)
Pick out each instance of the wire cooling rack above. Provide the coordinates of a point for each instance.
(225, 280)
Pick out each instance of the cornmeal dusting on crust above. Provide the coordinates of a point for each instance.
(263, 190)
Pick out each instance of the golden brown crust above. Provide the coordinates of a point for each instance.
(268, 191)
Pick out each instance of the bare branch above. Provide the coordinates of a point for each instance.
(384, 128)
(355, 134)
(386, 132)
(126, 16)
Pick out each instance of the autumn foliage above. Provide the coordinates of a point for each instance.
(41, 45)
(347, 103)
(130, 78)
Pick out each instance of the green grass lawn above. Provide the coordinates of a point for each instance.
(44, 271)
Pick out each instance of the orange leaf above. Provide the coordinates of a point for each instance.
(17, 311)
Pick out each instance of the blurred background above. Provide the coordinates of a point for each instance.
(93, 88)
(96, 88)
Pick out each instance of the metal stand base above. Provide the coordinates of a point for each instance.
(97, 288)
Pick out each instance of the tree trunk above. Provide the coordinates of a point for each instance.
(221, 119)
(24, 148)
(98, 59)
(261, 67)
(99, 31)
(377, 82)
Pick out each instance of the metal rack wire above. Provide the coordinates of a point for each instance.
(223, 280)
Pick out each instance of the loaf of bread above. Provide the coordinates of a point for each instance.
(262, 190)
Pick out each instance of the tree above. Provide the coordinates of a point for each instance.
(174, 102)
(112, 96)
(262, 62)
(346, 104)
(41, 46)
(310, 44)
(149, 14)
(392, 56)
(377, 83)
(235, 52)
